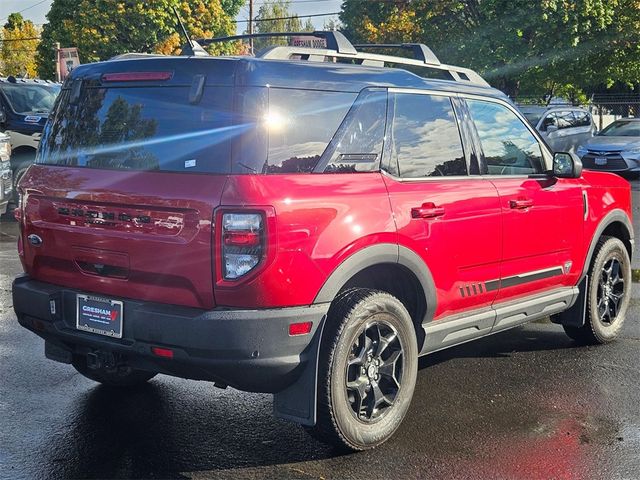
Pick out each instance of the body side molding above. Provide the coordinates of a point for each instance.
(462, 328)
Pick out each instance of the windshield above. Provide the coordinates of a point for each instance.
(622, 129)
(30, 98)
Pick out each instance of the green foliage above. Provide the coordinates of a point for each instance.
(104, 28)
(17, 56)
(529, 46)
(278, 9)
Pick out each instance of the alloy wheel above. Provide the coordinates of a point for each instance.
(374, 371)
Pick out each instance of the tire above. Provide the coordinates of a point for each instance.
(366, 413)
(120, 377)
(608, 294)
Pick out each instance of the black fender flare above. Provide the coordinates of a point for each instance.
(375, 255)
(616, 215)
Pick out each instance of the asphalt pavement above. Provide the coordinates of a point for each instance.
(527, 403)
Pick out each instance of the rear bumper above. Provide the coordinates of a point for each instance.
(249, 350)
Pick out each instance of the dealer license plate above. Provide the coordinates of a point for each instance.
(99, 315)
(600, 160)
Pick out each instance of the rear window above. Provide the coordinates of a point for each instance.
(151, 128)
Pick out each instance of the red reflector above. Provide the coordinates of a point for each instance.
(162, 352)
(242, 239)
(300, 328)
(136, 76)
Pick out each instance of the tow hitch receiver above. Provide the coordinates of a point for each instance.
(98, 360)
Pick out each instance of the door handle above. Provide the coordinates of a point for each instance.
(521, 204)
(427, 210)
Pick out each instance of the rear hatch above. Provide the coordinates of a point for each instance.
(130, 169)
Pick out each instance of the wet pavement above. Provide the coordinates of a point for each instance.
(526, 403)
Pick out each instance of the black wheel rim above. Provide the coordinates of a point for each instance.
(374, 371)
(611, 289)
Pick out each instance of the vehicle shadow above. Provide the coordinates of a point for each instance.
(171, 426)
(160, 429)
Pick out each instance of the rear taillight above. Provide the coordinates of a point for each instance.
(243, 243)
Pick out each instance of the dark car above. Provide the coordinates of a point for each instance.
(24, 108)
(306, 223)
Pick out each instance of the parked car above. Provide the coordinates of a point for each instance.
(615, 149)
(24, 107)
(306, 228)
(564, 128)
(6, 183)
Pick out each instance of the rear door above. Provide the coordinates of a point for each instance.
(449, 218)
(542, 215)
(129, 172)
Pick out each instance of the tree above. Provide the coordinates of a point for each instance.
(536, 46)
(18, 55)
(287, 22)
(104, 28)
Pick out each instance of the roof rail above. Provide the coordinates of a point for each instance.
(338, 46)
(335, 40)
(420, 50)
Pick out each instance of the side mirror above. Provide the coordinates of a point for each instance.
(552, 128)
(3, 116)
(566, 165)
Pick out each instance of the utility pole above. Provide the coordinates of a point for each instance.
(250, 26)
(58, 72)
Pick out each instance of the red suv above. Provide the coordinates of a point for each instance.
(307, 223)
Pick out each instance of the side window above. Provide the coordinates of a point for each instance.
(357, 145)
(509, 147)
(425, 137)
(566, 119)
(300, 125)
(583, 119)
(549, 121)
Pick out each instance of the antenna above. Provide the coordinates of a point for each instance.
(191, 48)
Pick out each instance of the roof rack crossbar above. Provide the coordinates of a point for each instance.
(285, 53)
(420, 51)
(335, 40)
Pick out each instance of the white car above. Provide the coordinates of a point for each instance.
(563, 127)
(6, 185)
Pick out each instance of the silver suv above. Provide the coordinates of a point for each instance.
(564, 127)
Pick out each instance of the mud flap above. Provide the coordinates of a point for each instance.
(298, 402)
(575, 316)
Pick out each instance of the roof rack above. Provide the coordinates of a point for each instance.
(335, 40)
(339, 47)
(420, 50)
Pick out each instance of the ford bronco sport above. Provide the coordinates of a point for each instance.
(306, 222)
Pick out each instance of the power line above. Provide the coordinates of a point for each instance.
(18, 39)
(25, 9)
(288, 18)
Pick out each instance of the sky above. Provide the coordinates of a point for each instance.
(36, 10)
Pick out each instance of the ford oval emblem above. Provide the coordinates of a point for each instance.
(34, 240)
